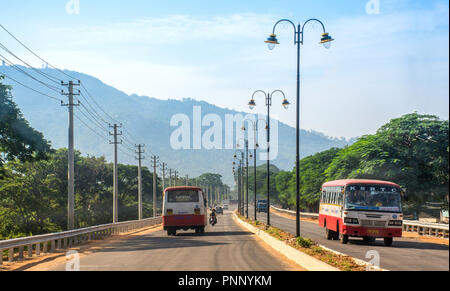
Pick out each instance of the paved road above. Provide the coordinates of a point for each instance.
(224, 247)
(405, 254)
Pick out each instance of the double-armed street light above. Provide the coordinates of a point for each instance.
(255, 147)
(272, 41)
(252, 105)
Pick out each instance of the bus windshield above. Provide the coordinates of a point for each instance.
(185, 196)
(373, 198)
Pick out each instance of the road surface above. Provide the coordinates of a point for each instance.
(224, 247)
(406, 254)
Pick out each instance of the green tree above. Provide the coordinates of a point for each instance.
(18, 140)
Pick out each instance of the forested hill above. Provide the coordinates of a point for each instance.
(148, 120)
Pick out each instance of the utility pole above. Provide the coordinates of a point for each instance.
(139, 152)
(170, 177)
(115, 179)
(175, 177)
(155, 160)
(246, 173)
(187, 180)
(71, 166)
(163, 167)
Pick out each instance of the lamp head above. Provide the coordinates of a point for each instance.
(252, 104)
(326, 40)
(286, 104)
(272, 41)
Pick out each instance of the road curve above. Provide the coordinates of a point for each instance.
(224, 247)
(406, 254)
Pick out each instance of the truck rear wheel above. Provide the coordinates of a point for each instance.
(388, 241)
(343, 238)
(329, 234)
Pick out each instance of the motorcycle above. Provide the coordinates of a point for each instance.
(212, 220)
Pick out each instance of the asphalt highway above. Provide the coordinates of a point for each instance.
(224, 247)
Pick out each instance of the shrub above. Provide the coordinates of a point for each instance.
(304, 242)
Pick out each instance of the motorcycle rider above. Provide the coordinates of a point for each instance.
(213, 216)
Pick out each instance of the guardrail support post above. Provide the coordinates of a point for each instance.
(11, 255)
(53, 247)
(30, 251)
(45, 248)
(58, 246)
(21, 248)
(38, 249)
(1, 257)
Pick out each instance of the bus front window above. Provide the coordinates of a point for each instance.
(373, 198)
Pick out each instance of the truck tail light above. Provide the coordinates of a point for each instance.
(197, 211)
(169, 212)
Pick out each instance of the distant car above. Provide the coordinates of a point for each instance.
(219, 210)
(261, 206)
(225, 207)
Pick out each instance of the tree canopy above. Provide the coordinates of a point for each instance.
(18, 140)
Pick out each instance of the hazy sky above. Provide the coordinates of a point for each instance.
(380, 66)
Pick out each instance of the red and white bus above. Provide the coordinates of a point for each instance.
(184, 208)
(361, 208)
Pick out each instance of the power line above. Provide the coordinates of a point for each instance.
(51, 87)
(28, 87)
(31, 51)
(103, 137)
(49, 77)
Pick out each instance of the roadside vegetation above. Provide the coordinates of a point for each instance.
(412, 151)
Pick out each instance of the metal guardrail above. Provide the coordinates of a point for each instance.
(302, 214)
(54, 241)
(422, 228)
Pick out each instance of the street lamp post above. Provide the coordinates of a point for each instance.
(252, 105)
(246, 174)
(241, 179)
(272, 41)
(255, 147)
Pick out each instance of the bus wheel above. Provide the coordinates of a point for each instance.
(388, 241)
(343, 238)
(329, 234)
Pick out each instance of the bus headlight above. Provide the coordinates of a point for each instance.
(395, 223)
(350, 220)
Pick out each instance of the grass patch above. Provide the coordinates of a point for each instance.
(309, 247)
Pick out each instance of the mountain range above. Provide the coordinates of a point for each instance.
(146, 120)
